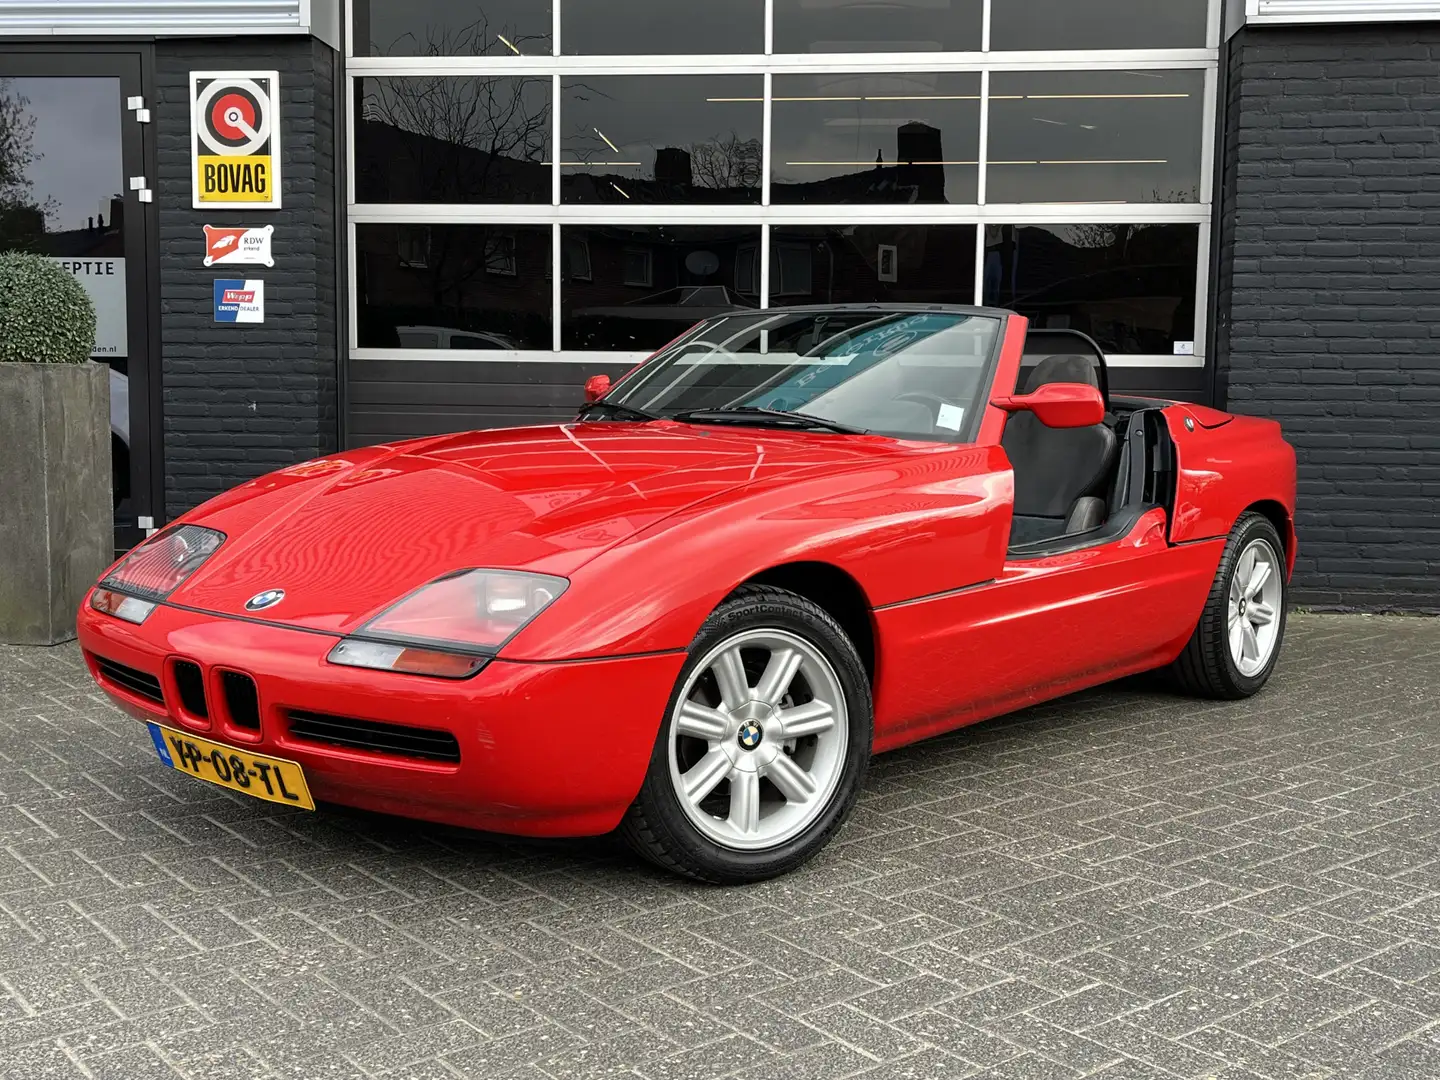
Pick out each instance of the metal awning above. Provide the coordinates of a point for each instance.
(1300, 12)
(171, 18)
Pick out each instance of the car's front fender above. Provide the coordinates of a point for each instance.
(920, 522)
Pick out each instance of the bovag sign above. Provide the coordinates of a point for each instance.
(235, 139)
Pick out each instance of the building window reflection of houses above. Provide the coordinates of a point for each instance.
(630, 139)
(1098, 24)
(477, 282)
(684, 273)
(849, 26)
(911, 137)
(452, 139)
(1131, 287)
(1096, 136)
(857, 264)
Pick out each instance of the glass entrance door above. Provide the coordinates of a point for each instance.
(69, 144)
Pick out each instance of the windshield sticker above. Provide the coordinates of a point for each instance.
(951, 417)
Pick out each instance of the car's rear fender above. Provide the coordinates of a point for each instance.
(1225, 468)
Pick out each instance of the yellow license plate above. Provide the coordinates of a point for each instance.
(264, 777)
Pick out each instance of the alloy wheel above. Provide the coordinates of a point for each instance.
(758, 739)
(1254, 607)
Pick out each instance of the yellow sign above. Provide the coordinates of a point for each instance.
(235, 139)
(265, 777)
(234, 179)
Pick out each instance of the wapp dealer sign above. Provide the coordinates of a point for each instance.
(235, 139)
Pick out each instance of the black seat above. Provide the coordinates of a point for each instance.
(1061, 474)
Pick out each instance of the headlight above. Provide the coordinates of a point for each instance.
(451, 626)
(153, 570)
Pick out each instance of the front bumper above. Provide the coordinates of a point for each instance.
(545, 749)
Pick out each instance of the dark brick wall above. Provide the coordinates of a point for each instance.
(243, 400)
(1328, 294)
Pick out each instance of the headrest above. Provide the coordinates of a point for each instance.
(1063, 369)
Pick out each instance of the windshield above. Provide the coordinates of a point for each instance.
(904, 373)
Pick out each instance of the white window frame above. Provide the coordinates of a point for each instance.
(762, 214)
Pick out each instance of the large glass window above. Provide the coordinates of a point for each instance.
(1095, 136)
(451, 27)
(1098, 24)
(452, 139)
(910, 137)
(861, 264)
(842, 26)
(600, 27)
(644, 284)
(473, 287)
(662, 139)
(1130, 287)
(596, 177)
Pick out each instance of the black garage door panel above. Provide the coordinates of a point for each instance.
(401, 399)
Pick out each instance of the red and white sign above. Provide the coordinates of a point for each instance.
(250, 246)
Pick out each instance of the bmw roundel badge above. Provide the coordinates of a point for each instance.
(261, 601)
(750, 735)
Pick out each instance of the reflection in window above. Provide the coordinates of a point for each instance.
(1095, 136)
(863, 264)
(909, 137)
(577, 258)
(747, 270)
(1130, 287)
(479, 287)
(452, 139)
(500, 254)
(1098, 24)
(681, 273)
(820, 26)
(452, 27)
(648, 27)
(662, 139)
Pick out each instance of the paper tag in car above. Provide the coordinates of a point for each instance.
(951, 417)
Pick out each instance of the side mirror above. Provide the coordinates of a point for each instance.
(596, 387)
(1058, 405)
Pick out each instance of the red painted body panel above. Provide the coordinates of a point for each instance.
(909, 523)
(347, 542)
(1225, 468)
(653, 524)
(522, 769)
(1047, 627)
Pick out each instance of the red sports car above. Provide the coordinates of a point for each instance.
(789, 540)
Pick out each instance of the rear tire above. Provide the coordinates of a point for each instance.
(764, 745)
(1237, 641)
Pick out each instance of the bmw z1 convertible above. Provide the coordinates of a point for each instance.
(790, 539)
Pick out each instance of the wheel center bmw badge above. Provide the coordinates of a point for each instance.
(750, 735)
(261, 601)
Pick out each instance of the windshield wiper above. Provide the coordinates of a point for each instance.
(614, 408)
(751, 414)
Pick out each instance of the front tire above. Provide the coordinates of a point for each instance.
(764, 746)
(1237, 641)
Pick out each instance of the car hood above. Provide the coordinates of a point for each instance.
(347, 535)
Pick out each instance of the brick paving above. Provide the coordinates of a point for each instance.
(1123, 884)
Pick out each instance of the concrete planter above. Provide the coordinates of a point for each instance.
(56, 519)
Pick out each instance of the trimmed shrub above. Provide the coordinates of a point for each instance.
(46, 316)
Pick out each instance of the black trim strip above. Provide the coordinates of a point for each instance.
(936, 595)
(592, 659)
(252, 619)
